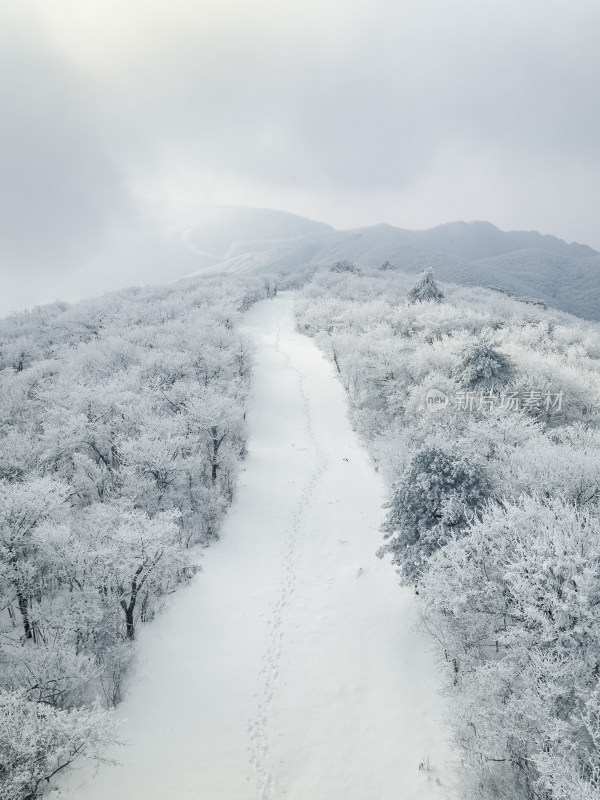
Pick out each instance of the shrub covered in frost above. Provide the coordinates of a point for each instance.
(344, 266)
(38, 742)
(425, 289)
(431, 500)
(515, 603)
(482, 365)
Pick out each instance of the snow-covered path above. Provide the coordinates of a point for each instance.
(289, 669)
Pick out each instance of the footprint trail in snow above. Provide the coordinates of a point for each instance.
(290, 667)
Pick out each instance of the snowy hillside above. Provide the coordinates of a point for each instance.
(122, 426)
(483, 414)
(291, 668)
(152, 431)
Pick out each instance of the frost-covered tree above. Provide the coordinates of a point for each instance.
(24, 510)
(515, 603)
(512, 606)
(425, 289)
(55, 672)
(216, 421)
(344, 266)
(481, 364)
(432, 499)
(121, 429)
(125, 560)
(37, 742)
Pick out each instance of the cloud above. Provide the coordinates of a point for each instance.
(61, 191)
(407, 112)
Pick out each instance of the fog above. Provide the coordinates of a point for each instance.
(115, 115)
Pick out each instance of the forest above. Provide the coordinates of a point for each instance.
(481, 411)
(122, 424)
(122, 429)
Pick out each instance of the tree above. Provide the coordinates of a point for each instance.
(53, 672)
(431, 500)
(24, 508)
(38, 741)
(121, 424)
(155, 456)
(511, 590)
(344, 266)
(482, 365)
(217, 420)
(425, 289)
(514, 601)
(126, 558)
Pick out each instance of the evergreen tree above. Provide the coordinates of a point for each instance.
(429, 502)
(425, 289)
(481, 365)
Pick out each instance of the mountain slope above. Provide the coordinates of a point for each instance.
(477, 240)
(224, 231)
(566, 276)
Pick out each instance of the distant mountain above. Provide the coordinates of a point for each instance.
(226, 231)
(526, 263)
(478, 240)
(187, 238)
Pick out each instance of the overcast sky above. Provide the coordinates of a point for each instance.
(411, 112)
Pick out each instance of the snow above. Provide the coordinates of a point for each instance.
(290, 667)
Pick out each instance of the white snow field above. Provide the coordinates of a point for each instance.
(290, 667)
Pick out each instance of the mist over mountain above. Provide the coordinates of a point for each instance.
(525, 263)
(195, 238)
(478, 240)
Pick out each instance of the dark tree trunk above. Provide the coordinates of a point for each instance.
(136, 587)
(24, 609)
(129, 626)
(216, 443)
(129, 608)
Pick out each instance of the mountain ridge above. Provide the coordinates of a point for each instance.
(476, 253)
